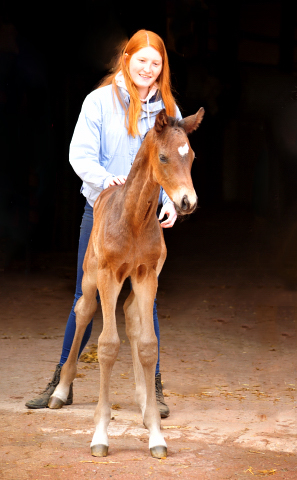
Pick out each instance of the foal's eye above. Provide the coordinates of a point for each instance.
(162, 158)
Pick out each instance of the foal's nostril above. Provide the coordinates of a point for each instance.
(185, 204)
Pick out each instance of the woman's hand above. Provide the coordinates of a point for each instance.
(169, 210)
(119, 180)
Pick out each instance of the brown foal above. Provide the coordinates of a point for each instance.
(127, 241)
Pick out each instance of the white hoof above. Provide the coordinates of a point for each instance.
(61, 393)
(99, 450)
(159, 451)
(99, 438)
(157, 439)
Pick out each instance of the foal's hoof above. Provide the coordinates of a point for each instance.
(99, 450)
(55, 402)
(159, 451)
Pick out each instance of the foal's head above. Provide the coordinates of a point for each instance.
(173, 158)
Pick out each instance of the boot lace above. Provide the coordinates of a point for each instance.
(159, 389)
(55, 380)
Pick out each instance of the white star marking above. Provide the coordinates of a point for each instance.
(183, 150)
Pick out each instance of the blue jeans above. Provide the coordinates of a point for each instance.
(85, 231)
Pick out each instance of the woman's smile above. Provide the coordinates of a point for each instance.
(145, 67)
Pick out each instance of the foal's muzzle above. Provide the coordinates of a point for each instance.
(186, 206)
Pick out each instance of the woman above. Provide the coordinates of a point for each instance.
(111, 126)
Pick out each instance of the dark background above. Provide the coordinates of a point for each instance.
(236, 59)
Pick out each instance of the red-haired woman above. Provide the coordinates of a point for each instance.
(111, 126)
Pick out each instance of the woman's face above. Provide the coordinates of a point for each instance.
(145, 67)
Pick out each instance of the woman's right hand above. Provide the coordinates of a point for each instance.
(119, 180)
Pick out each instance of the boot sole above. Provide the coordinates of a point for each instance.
(165, 415)
(35, 407)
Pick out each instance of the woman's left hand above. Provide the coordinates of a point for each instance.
(119, 180)
(169, 210)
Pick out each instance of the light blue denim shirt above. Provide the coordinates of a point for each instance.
(101, 147)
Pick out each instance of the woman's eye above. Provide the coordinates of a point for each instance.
(162, 158)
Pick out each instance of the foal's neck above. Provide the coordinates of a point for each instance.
(141, 191)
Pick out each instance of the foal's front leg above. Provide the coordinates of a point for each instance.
(148, 355)
(108, 348)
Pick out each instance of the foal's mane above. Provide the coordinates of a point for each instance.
(172, 122)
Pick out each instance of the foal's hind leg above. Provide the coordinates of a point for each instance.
(108, 348)
(133, 328)
(85, 309)
(148, 354)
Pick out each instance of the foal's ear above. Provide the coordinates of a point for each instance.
(161, 121)
(191, 123)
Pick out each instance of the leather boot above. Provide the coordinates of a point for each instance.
(41, 401)
(163, 408)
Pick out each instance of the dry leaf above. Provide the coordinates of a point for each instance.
(266, 472)
(91, 356)
(262, 473)
(93, 461)
(166, 427)
(255, 451)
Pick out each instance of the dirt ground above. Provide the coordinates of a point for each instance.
(228, 363)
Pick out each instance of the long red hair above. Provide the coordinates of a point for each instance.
(141, 39)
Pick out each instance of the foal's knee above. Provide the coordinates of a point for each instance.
(108, 349)
(148, 351)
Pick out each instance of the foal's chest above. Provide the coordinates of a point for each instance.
(127, 250)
